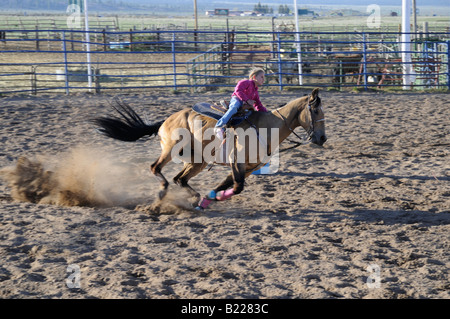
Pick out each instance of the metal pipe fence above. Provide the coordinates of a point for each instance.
(33, 61)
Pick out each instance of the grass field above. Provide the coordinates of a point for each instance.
(140, 22)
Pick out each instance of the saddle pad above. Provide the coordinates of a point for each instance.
(209, 110)
(216, 112)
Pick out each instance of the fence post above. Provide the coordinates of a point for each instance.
(448, 64)
(365, 61)
(194, 78)
(273, 38)
(66, 77)
(158, 39)
(33, 80)
(104, 39)
(280, 76)
(97, 80)
(72, 42)
(37, 38)
(195, 40)
(131, 39)
(174, 62)
(188, 76)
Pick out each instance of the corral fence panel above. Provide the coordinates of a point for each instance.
(33, 61)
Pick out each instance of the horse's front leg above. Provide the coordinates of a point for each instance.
(239, 178)
(225, 184)
(211, 196)
(223, 192)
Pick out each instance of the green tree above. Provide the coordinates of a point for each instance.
(257, 7)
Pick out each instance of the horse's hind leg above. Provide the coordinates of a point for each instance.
(190, 170)
(156, 168)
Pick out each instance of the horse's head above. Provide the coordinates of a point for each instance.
(312, 119)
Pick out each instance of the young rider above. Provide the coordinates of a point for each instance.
(245, 92)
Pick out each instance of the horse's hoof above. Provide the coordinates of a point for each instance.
(162, 193)
(204, 202)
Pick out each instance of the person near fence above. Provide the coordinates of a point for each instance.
(245, 94)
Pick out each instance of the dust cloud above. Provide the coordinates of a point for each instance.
(79, 177)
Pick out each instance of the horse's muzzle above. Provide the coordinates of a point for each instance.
(319, 140)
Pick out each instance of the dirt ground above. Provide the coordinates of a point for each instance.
(365, 216)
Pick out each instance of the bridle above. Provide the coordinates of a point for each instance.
(311, 122)
(310, 130)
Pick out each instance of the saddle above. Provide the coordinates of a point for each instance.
(217, 110)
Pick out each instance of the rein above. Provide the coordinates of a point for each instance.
(302, 140)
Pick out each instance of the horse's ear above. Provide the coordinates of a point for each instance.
(314, 93)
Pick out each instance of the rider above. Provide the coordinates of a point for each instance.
(246, 91)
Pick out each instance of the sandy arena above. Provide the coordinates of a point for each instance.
(365, 216)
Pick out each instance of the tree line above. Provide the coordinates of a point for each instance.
(282, 9)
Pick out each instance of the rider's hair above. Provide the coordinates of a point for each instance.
(255, 72)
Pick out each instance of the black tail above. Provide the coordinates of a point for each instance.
(129, 127)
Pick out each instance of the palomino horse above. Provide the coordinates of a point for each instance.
(305, 112)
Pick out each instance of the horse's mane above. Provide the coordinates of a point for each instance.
(314, 103)
(296, 101)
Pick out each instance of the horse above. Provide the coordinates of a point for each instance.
(305, 111)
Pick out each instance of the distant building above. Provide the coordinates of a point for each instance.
(231, 13)
(305, 12)
(221, 12)
(235, 13)
(248, 13)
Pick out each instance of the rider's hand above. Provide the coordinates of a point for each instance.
(248, 106)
